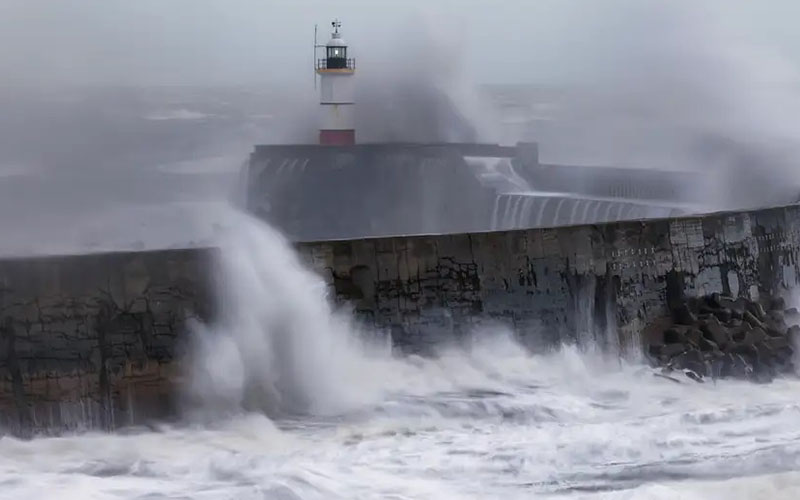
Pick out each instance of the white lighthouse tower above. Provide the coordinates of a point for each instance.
(336, 71)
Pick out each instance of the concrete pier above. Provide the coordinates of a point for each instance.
(97, 340)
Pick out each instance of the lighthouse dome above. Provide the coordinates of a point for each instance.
(337, 41)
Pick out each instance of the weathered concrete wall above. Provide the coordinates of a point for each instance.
(552, 284)
(96, 340)
(90, 340)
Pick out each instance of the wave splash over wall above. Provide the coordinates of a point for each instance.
(278, 346)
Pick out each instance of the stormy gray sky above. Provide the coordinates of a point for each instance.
(254, 41)
(657, 76)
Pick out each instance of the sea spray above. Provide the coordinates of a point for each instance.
(280, 347)
(551, 426)
(277, 346)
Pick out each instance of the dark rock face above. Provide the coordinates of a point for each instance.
(692, 360)
(752, 320)
(708, 345)
(714, 330)
(757, 310)
(683, 315)
(716, 343)
(778, 304)
(671, 350)
(675, 335)
(723, 315)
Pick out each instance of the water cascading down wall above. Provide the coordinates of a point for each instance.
(97, 340)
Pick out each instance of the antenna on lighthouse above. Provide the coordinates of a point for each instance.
(314, 58)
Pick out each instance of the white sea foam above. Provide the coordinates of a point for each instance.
(488, 422)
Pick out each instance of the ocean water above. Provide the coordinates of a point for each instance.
(491, 423)
(290, 400)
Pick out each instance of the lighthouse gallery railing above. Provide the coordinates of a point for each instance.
(336, 64)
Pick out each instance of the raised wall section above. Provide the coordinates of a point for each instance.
(97, 339)
(375, 190)
(324, 192)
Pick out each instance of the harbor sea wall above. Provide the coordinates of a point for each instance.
(604, 283)
(97, 340)
(91, 340)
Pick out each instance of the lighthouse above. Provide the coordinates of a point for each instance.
(336, 71)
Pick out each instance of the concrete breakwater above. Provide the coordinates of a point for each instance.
(721, 337)
(97, 340)
(91, 340)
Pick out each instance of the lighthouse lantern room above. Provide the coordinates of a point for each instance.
(336, 71)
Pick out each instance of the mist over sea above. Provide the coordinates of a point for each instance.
(97, 168)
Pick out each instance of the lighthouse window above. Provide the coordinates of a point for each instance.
(336, 52)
